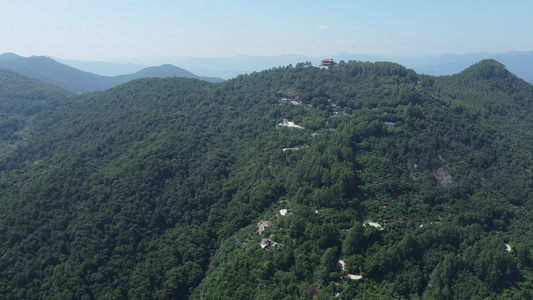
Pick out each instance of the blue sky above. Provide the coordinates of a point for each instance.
(121, 30)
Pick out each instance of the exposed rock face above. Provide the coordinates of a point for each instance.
(414, 171)
(262, 225)
(443, 176)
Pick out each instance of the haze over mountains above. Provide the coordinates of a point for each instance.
(77, 81)
(519, 63)
(86, 76)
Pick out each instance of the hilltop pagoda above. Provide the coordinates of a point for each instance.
(328, 63)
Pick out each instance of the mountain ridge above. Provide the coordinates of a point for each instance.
(519, 62)
(77, 81)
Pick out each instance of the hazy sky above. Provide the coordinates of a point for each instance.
(116, 29)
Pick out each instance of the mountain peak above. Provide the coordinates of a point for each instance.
(48, 70)
(8, 56)
(487, 69)
(166, 70)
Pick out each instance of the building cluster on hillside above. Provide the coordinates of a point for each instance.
(294, 101)
(285, 212)
(401, 221)
(290, 124)
(268, 242)
(295, 148)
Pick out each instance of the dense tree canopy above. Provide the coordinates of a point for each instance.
(399, 185)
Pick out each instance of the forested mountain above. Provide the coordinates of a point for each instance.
(178, 188)
(162, 72)
(519, 63)
(102, 68)
(21, 99)
(76, 81)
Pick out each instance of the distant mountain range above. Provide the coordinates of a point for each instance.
(77, 81)
(102, 68)
(519, 63)
(86, 76)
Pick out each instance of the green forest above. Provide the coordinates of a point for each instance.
(387, 184)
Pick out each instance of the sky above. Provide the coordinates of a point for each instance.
(110, 30)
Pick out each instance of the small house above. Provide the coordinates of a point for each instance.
(285, 212)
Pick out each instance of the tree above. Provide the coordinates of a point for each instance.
(354, 241)
(330, 260)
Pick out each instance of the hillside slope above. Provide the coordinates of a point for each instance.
(48, 70)
(519, 63)
(155, 188)
(162, 72)
(76, 81)
(21, 99)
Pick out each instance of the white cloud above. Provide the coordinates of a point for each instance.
(347, 42)
(323, 27)
(344, 42)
